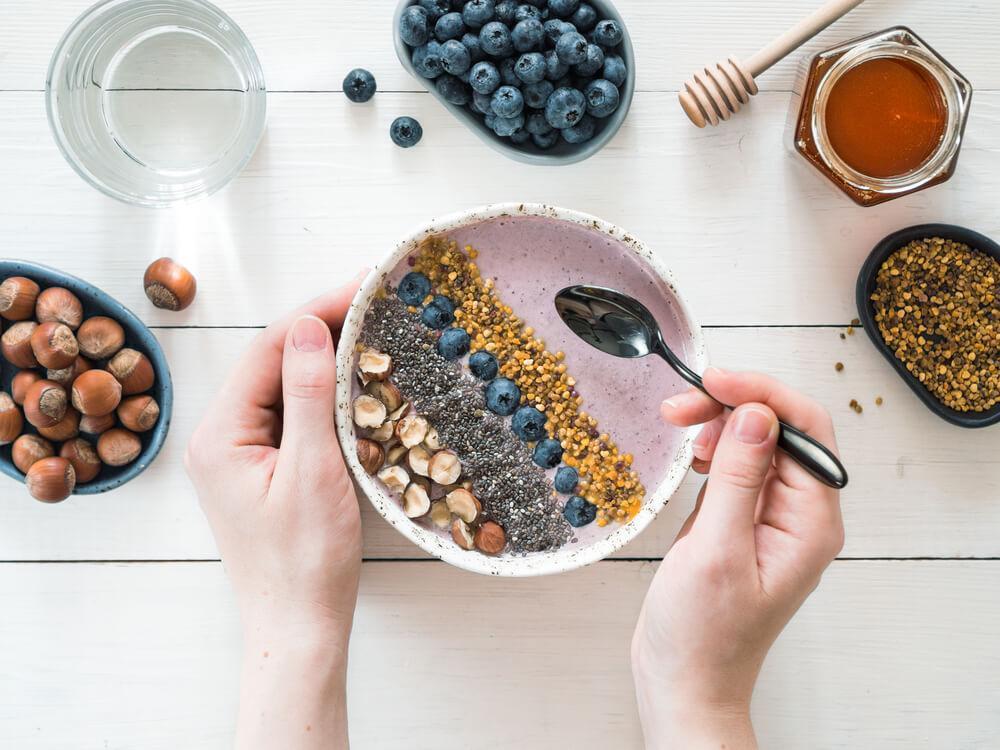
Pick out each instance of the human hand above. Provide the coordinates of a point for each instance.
(761, 534)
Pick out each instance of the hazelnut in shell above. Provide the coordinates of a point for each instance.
(16, 344)
(95, 426)
(17, 298)
(67, 375)
(139, 413)
(133, 370)
(169, 285)
(45, 404)
(11, 420)
(20, 384)
(51, 480)
(67, 428)
(84, 459)
(118, 447)
(100, 338)
(371, 455)
(29, 450)
(490, 538)
(58, 305)
(54, 345)
(96, 393)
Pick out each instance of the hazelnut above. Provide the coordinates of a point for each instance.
(29, 450)
(169, 285)
(100, 338)
(418, 459)
(67, 428)
(368, 412)
(84, 459)
(416, 501)
(412, 429)
(401, 412)
(374, 366)
(394, 478)
(51, 480)
(395, 454)
(133, 370)
(54, 345)
(17, 298)
(95, 426)
(118, 447)
(11, 420)
(461, 534)
(490, 538)
(432, 441)
(67, 375)
(45, 404)
(463, 504)
(96, 393)
(445, 468)
(371, 455)
(16, 344)
(385, 392)
(139, 413)
(20, 384)
(58, 305)
(384, 432)
(440, 515)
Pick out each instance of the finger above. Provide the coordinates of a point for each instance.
(689, 408)
(739, 467)
(708, 438)
(693, 515)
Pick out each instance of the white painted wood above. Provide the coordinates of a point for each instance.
(919, 487)
(327, 193)
(311, 44)
(884, 655)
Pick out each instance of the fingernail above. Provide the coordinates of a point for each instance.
(670, 403)
(309, 334)
(752, 426)
(716, 371)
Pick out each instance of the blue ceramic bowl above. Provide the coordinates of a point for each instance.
(137, 336)
(562, 152)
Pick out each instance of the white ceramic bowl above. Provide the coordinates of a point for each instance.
(542, 563)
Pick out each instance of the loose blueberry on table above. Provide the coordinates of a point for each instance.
(359, 85)
(405, 132)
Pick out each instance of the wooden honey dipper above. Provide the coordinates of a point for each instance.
(718, 93)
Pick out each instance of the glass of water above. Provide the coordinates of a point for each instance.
(156, 101)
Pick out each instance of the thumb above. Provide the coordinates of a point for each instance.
(740, 466)
(309, 385)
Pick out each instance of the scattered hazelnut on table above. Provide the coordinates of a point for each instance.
(133, 370)
(84, 459)
(45, 404)
(371, 455)
(67, 428)
(118, 447)
(100, 337)
(58, 305)
(96, 393)
(416, 501)
(463, 504)
(51, 480)
(169, 285)
(20, 384)
(29, 450)
(11, 420)
(462, 535)
(490, 538)
(139, 413)
(16, 344)
(17, 298)
(54, 345)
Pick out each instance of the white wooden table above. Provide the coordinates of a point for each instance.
(117, 627)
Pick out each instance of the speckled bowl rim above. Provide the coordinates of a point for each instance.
(389, 508)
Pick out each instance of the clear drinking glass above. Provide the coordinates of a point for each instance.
(156, 101)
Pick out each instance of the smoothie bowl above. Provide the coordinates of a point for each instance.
(478, 424)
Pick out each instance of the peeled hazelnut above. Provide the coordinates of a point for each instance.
(67, 428)
(445, 468)
(133, 370)
(461, 534)
(385, 392)
(29, 450)
(416, 501)
(20, 384)
(368, 412)
(169, 285)
(11, 421)
(45, 404)
(139, 413)
(54, 345)
(16, 344)
(51, 480)
(464, 504)
(395, 454)
(100, 338)
(84, 459)
(440, 514)
(96, 393)
(432, 440)
(371, 455)
(118, 447)
(95, 426)
(17, 298)
(401, 412)
(374, 365)
(394, 478)
(411, 430)
(418, 459)
(490, 538)
(384, 432)
(67, 375)
(58, 305)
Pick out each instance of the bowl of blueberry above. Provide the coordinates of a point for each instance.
(542, 81)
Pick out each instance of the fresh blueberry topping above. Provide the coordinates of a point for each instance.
(427, 59)
(582, 132)
(563, 8)
(437, 318)
(528, 35)
(508, 102)
(530, 67)
(414, 288)
(528, 424)
(602, 97)
(478, 12)
(455, 57)
(359, 85)
(572, 48)
(548, 453)
(484, 365)
(608, 33)
(443, 302)
(578, 512)
(565, 108)
(502, 396)
(405, 132)
(485, 78)
(414, 26)
(567, 478)
(506, 127)
(454, 343)
(585, 17)
(435, 8)
(536, 94)
(615, 70)
(593, 63)
(449, 26)
(494, 38)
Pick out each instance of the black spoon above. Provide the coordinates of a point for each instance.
(622, 326)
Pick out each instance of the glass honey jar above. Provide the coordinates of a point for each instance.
(881, 116)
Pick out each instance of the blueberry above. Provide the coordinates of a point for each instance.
(565, 108)
(471, 43)
(443, 302)
(578, 512)
(572, 48)
(453, 90)
(526, 11)
(615, 70)
(449, 26)
(502, 396)
(508, 73)
(414, 26)
(490, 119)
(530, 67)
(506, 10)
(545, 141)
(555, 28)
(508, 126)
(508, 102)
(435, 8)
(582, 132)
(608, 33)
(554, 67)
(359, 85)
(520, 136)
(482, 103)
(427, 60)
(536, 94)
(485, 78)
(405, 132)
(593, 63)
(484, 365)
(413, 288)
(585, 17)
(563, 8)
(528, 35)
(454, 343)
(436, 318)
(602, 97)
(567, 478)
(455, 57)
(528, 424)
(494, 38)
(547, 454)
(478, 12)
(536, 124)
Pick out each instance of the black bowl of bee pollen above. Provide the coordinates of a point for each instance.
(866, 314)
